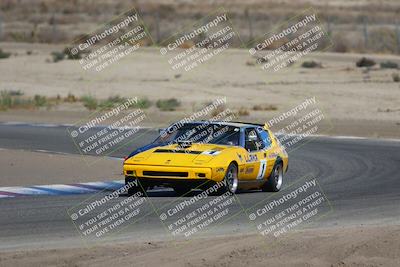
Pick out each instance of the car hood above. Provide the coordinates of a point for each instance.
(173, 155)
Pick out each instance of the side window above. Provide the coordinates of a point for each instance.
(264, 137)
(252, 140)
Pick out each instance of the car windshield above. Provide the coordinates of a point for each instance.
(201, 133)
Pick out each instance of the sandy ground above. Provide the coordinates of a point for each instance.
(23, 168)
(357, 246)
(347, 95)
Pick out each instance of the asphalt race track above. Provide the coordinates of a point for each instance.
(360, 178)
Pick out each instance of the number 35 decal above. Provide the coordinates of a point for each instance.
(263, 168)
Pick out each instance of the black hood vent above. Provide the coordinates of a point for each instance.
(181, 151)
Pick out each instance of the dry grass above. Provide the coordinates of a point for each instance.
(218, 110)
(265, 107)
(16, 100)
(311, 64)
(389, 65)
(243, 112)
(170, 104)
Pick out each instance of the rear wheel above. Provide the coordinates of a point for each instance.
(275, 180)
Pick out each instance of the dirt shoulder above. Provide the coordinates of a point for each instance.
(23, 168)
(356, 246)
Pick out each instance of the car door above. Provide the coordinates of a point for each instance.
(256, 159)
(269, 151)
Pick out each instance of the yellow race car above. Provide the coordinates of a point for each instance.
(226, 155)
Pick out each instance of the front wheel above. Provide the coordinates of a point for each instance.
(231, 180)
(275, 180)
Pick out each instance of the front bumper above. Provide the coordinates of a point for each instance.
(151, 172)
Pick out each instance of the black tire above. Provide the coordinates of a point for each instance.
(181, 190)
(231, 180)
(134, 189)
(275, 180)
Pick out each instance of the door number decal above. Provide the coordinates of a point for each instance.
(263, 168)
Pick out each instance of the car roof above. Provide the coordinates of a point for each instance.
(230, 123)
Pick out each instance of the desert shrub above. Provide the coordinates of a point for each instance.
(19, 102)
(57, 56)
(15, 92)
(65, 54)
(70, 98)
(264, 107)
(51, 101)
(250, 63)
(117, 99)
(168, 104)
(4, 54)
(5, 100)
(13, 99)
(143, 103)
(389, 65)
(89, 102)
(39, 101)
(69, 55)
(243, 112)
(311, 64)
(112, 101)
(396, 77)
(219, 109)
(365, 62)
